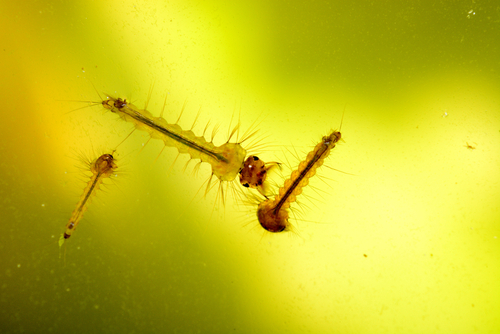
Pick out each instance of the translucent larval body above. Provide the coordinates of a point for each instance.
(101, 168)
(226, 160)
(273, 213)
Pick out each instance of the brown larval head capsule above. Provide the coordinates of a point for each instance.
(105, 164)
(119, 103)
(254, 173)
(332, 139)
(112, 104)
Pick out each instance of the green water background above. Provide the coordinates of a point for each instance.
(408, 243)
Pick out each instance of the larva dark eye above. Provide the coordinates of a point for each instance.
(246, 185)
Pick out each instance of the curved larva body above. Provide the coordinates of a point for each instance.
(273, 213)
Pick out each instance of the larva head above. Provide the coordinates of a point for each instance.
(332, 139)
(253, 173)
(120, 104)
(113, 104)
(105, 164)
(271, 220)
